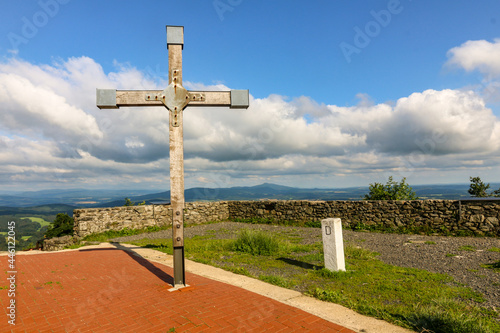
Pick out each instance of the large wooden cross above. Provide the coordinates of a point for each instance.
(175, 98)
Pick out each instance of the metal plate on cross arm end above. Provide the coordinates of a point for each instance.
(106, 99)
(240, 99)
(175, 35)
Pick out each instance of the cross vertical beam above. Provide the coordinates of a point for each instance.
(176, 142)
(175, 98)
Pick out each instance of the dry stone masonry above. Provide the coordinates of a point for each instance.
(96, 220)
(476, 216)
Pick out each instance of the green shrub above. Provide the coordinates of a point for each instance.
(256, 243)
(63, 225)
(392, 190)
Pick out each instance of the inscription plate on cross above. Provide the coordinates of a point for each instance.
(175, 98)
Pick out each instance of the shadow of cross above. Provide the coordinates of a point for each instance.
(175, 98)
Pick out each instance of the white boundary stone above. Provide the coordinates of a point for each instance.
(333, 244)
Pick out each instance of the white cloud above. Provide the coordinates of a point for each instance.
(53, 133)
(455, 121)
(484, 57)
(478, 55)
(31, 108)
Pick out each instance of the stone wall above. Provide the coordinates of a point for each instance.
(57, 243)
(479, 216)
(95, 220)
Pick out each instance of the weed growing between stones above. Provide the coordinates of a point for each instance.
(494, 266)
(467, 248)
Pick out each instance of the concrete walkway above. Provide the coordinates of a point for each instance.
(123, 288)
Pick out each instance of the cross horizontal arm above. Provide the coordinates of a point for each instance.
(113, 99)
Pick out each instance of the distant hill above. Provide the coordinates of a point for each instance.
(80, 198)
(73, 197)
(279, 192)
(52, 209)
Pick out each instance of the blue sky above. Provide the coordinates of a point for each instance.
(344, 93)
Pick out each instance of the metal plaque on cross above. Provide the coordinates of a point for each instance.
(175, 98)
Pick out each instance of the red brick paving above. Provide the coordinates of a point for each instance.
(109, 290)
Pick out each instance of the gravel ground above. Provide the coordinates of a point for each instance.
(437, 254)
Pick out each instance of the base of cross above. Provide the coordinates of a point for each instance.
(181, 287)
(179, 270)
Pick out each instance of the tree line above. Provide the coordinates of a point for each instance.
(394, 190)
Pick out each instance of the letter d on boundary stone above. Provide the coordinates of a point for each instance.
(333, 244)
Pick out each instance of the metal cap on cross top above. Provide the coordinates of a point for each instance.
(175, 98)
(175, 35)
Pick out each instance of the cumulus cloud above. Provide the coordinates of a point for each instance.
(52, 132)
(29, 108)
(478, 55)
(455, 121)
(482, 56)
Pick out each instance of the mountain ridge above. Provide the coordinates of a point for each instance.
(111, 198)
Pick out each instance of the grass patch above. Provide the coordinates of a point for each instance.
(494, 249)
(256, 243)
(42, 222)
(407, 229)
(75, 246)
(430, 242)
(414, 229)
(108, 235)
(276, 280)
(239, 270)
(359, 253)
(412, 298)
(467, 248)
(444, 315)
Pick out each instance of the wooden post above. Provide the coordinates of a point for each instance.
(176, 142)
